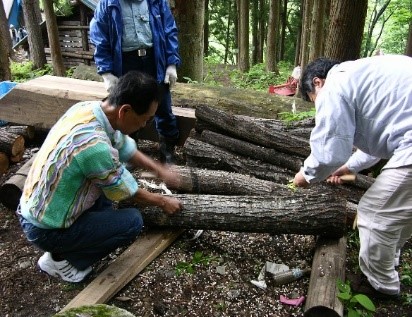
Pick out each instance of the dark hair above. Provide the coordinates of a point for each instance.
(318, 68)
(136, 89)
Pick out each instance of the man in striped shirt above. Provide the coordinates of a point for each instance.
(66, 207)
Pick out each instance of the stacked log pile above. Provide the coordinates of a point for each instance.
(246, 163)
(13, 140)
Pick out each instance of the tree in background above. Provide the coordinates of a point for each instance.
(273, 36)
(408, 50)
(244, 63)
(32, 19)
(5, 47)
(53, 34)
(347, 20)
(189, 16)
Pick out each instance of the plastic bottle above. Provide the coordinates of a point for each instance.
(290, 276)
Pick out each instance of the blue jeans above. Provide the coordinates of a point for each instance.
(166, 122)
(95, 234)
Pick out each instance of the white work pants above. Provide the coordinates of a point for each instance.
(385, 224)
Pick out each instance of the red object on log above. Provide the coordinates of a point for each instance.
(288, 89)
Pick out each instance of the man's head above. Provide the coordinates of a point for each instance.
(314, 76)
(136, 97)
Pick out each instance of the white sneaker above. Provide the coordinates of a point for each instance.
(62, 269)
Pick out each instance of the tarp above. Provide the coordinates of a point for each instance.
(13, 11)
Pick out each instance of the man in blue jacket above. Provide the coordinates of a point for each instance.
(139, 35)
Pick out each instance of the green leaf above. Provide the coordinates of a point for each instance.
(365, 302)
(352, 313)
(344, 296)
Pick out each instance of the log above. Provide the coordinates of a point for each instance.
(11, 144)
(27, 132)
(11, 190)
(4, 163)
(296, 214)
(251, 150)
(203, 155)
(215, 182)
(328, 266)
(253, 131)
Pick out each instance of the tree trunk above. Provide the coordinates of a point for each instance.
(206, 30)
(244, 63)
(273, 36)
(328, 266)
(306, 41)
(408, 50)
(11, 144)
(255, 31)
(295, 214)
(190, 18)
(346, 29)
(31, 11)
(203, 155)
(249, 130)
(5, 47)
(11, 190)
(53, 34)
(4, 164)
(316, 29)
(216, 182)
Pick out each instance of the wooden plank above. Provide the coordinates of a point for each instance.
(130, 263)
(42, 101)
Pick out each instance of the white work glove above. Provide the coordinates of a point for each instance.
(110, 81)
(171, 75)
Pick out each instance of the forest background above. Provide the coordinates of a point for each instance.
(259, 41)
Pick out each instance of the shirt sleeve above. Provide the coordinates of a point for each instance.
(100, 164)
(360, 161)
(331, 139)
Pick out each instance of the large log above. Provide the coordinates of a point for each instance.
(27, 132)
(328, 266)
(11, 190)
(4, 163)
(215, 182)
(297, 214)
(251, 150)
(253, 131)
(204, 155)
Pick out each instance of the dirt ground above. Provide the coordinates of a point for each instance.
(222, 263)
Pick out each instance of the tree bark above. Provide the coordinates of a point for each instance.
(345, 29)
(408, 49)
(317, 215)
(328, 266)
(257, 133)
(273, 36)
(316, 30)
(204, 155)
(11, 190)
(31, 11)
(5, 47)
(4, 163)
(27, 132)
(53, 34)
(251, 150)
(244, 63)
(190, 18)
(11, 144)
(216, 182)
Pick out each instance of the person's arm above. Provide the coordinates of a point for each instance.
(100, 37)
(165, 172)
(168, 204)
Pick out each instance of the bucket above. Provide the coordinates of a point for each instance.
(5, 87)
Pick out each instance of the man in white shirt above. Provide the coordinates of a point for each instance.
(366, 103)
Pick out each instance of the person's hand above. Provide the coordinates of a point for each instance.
(110, 81)
(171, 75)
(171, 205)
(170, 176)
(335, 177)
(300, 181)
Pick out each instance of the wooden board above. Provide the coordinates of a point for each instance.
(130, 263)
(42, 101)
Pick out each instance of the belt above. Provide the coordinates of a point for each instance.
(140, 52)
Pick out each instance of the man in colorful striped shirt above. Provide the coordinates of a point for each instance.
(66, 207)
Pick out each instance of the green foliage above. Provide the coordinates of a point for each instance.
(189, 267)
(406, 274)
(61, 7)
(259, 79)
(21, 72)
(357, 305)
(296, 116)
